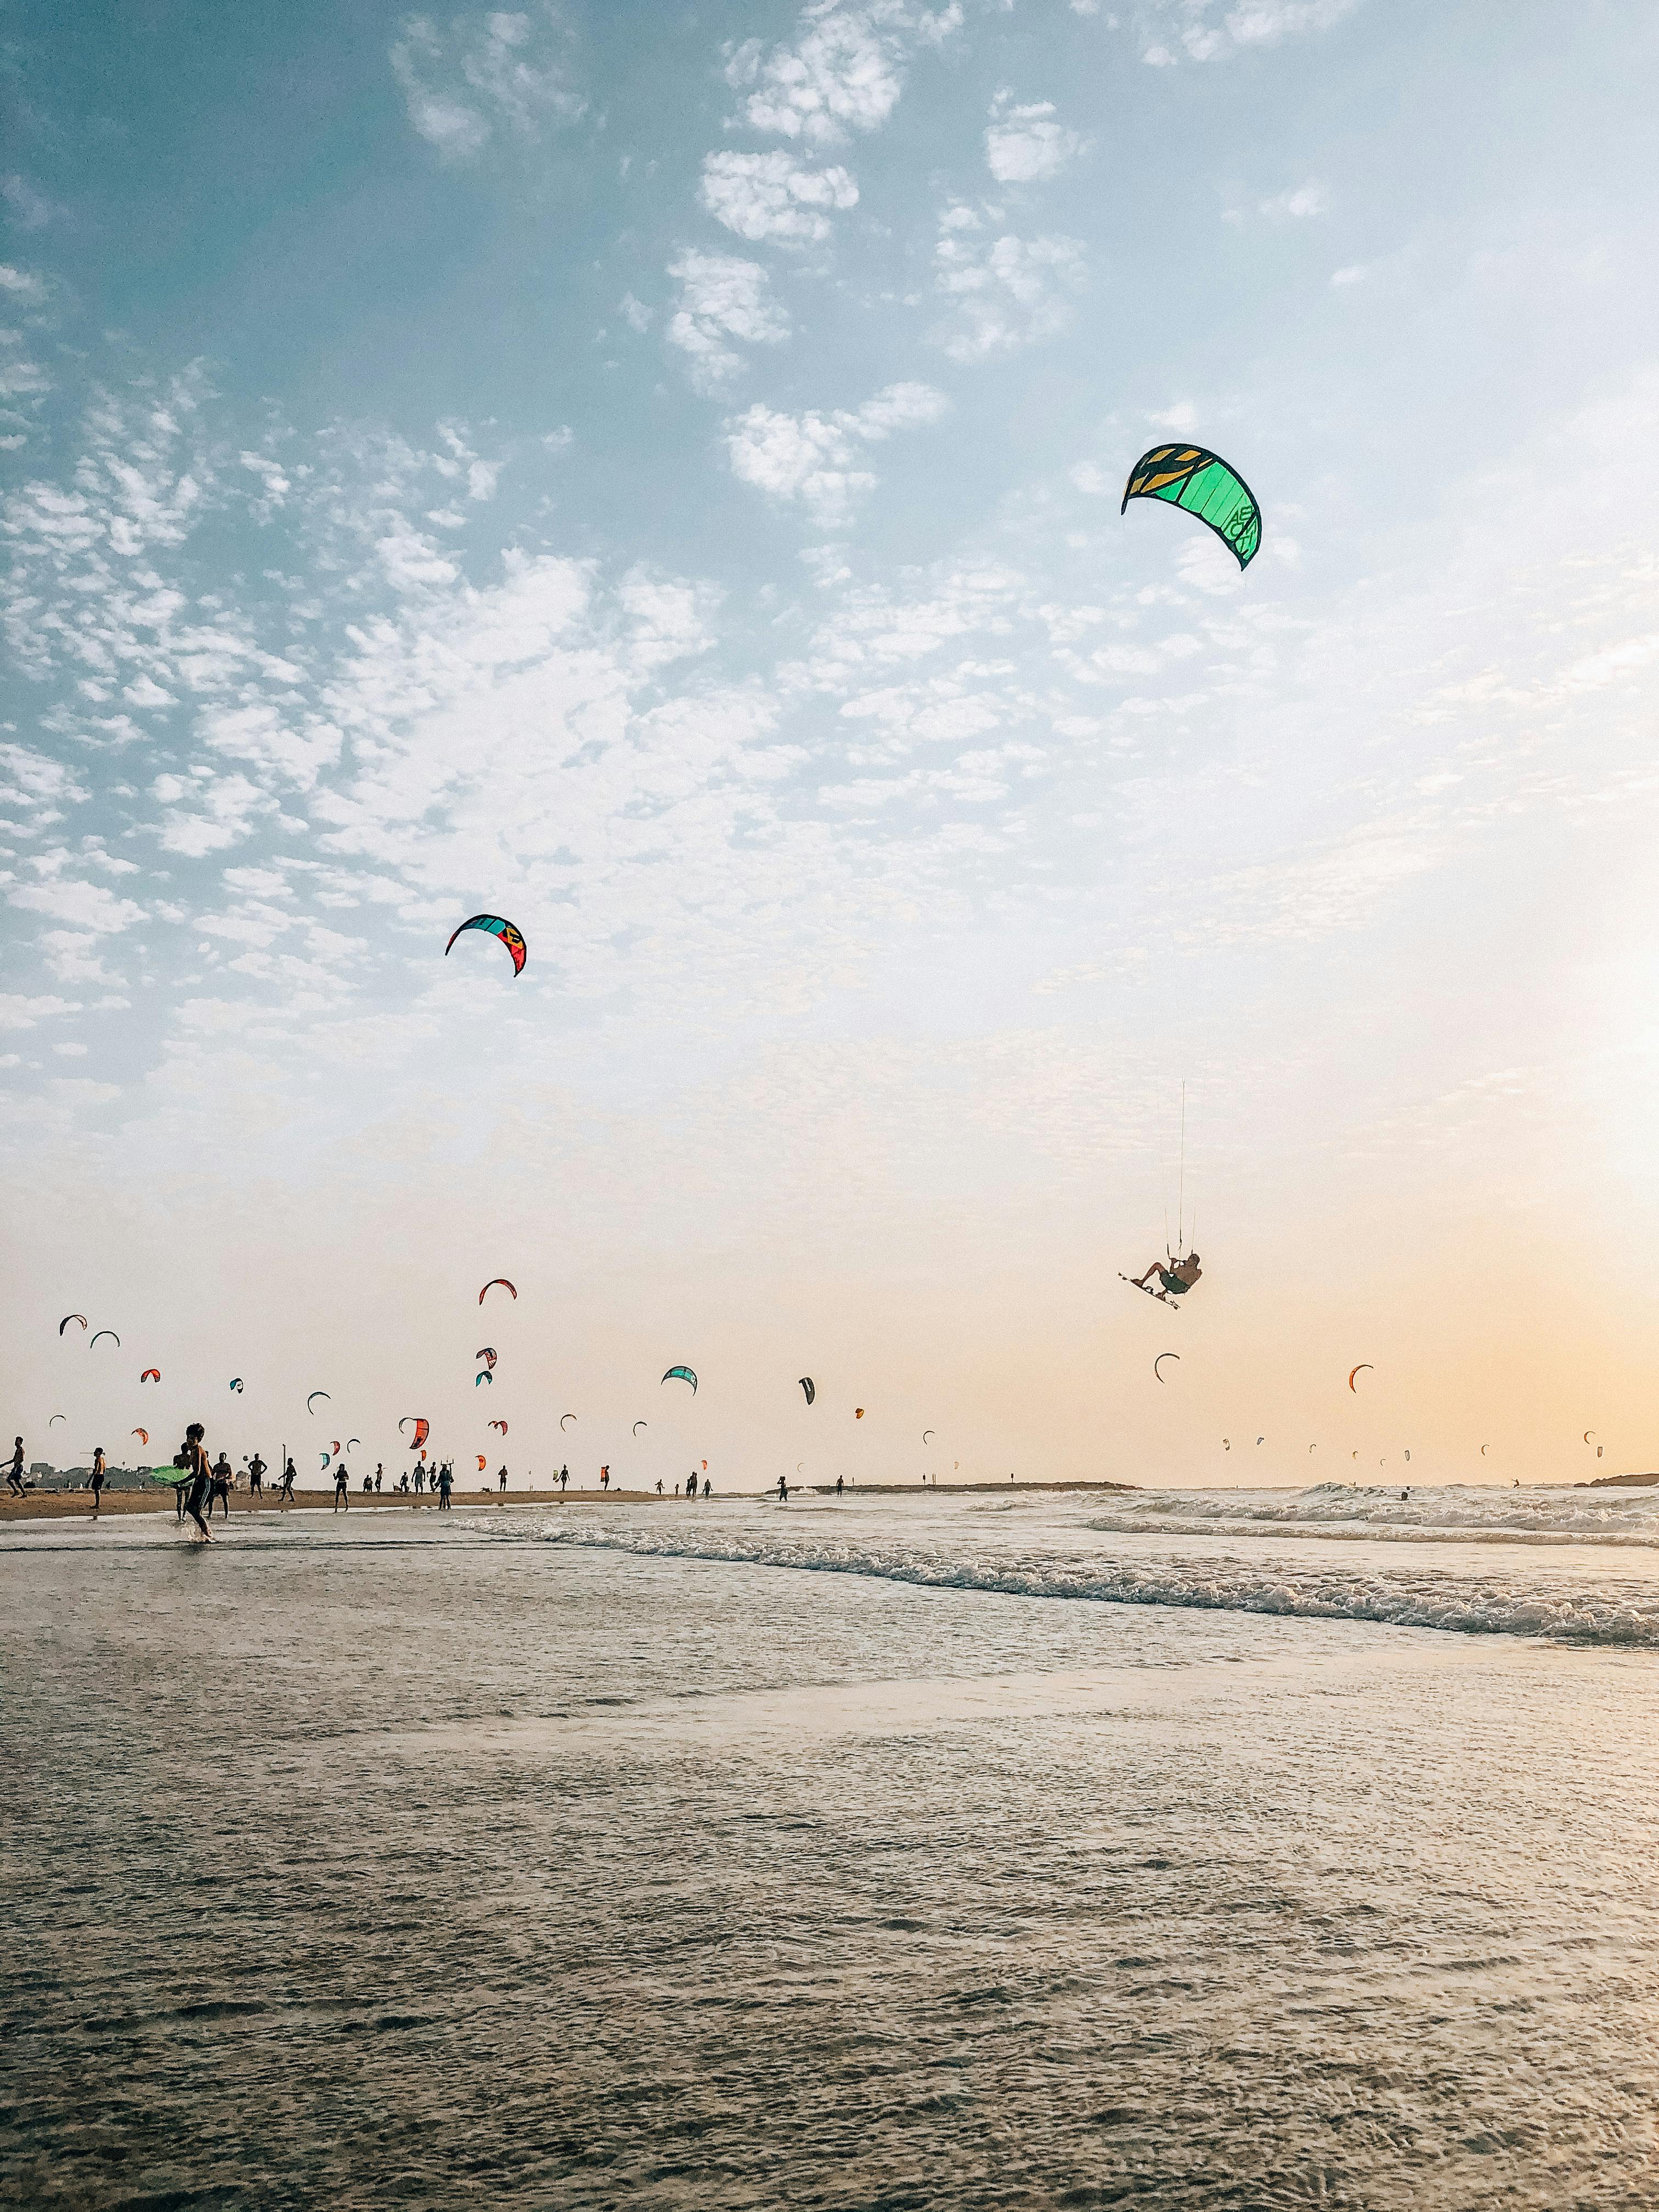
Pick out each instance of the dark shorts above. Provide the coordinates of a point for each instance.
(1173, 1284)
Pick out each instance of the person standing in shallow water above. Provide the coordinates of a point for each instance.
(219, 1486)
(783, 1490)
(342, 1491)
(445, 1484)
(199, 1477)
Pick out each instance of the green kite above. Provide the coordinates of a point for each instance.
(1192, 477)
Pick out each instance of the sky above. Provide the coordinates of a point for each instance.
(653, 473)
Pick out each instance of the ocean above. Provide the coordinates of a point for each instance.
(1173, 1849)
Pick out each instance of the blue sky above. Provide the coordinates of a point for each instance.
(655, 474)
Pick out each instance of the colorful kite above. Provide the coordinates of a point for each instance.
(491, 1284)
(143, 1435)
(486, 1376)
(1363, 1367)
(494, 925)
(422, 1430)
(501, 1425)
(150, 1375)
(481, 1462)
(235, 1382)
(487, 1355)
(67, 1318)
(682, 1375)
(1192, 477)
(858, 1413)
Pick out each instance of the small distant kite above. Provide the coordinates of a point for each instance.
(501, 1425)
(563, 1418)
(335, 1447)
(858, 1413)
(682, 1375)
(422, 1430)
(491, 1284)
(314, 1396)
(150, 1375)
(1408, 1458)
(324, 1457)
(487, 1353)
(810, 1387)
(352, 1440)
(1202, 483)
(58, 1417)
(638, 1425)
(495, 925)
(67, 1318)
(1483, 1451)
(1261, 1440)
(1226, 1446)
(1588, 1433)
(481, 1462)
(1159, 1362)
(143, 1435)
(1363, 1367)
(235, 1382)
(484, 1376)
(926, 1434)
(104, 1332)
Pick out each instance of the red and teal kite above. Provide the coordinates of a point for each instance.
(1192, 477)
(495, 925)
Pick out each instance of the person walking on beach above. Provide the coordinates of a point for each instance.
(342, 1494)
(659, 1485)
(445, 1484)
(286, 1493)
(503, 1479)
(604, 1478)
(379, 1469)
(564, 1477)
(97, 1481)
(256, 1478)
(199, 1477)
(219, 1486)
(15, 1472)
(420, 1480)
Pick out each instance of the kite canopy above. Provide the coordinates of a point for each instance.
(143, 1435)
(484, 1376)
(638, 1425)
(491, 1284)
(67, 1318)
(150, 1375)
(926, 1434)
(501, 1425)
(810, 1387)
(563, 1418)
(314, 1396)
(487, 1353)
(1363, 1367)
(1159, 1360)
(58, 1417)
(235, 1382)
(682, 1375)
(495, 925)
(481, 1462)
(422, 1429)
(104, 1332)
(1192, 477)
(858, 1413)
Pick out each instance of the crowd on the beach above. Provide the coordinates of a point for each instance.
(203, 1482)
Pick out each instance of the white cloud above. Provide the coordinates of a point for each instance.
(1209, 30)
(811, 457)
(842, 72)
(1008, 292)
(499, 67)
(722, 297)
(23, 1013)
(1296, 206)
(772, 196)
(634, 313)
(1024, 145)
(19, 284)
(82, 906)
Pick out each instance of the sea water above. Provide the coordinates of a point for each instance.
(1242, 1849)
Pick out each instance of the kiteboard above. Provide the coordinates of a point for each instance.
(1146, 1290)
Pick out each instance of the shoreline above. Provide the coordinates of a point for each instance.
(76, 1504)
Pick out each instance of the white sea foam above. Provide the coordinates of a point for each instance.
(1492, 1601)
(1451, 1513)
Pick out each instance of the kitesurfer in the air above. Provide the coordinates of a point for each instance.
(1177, 1278)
